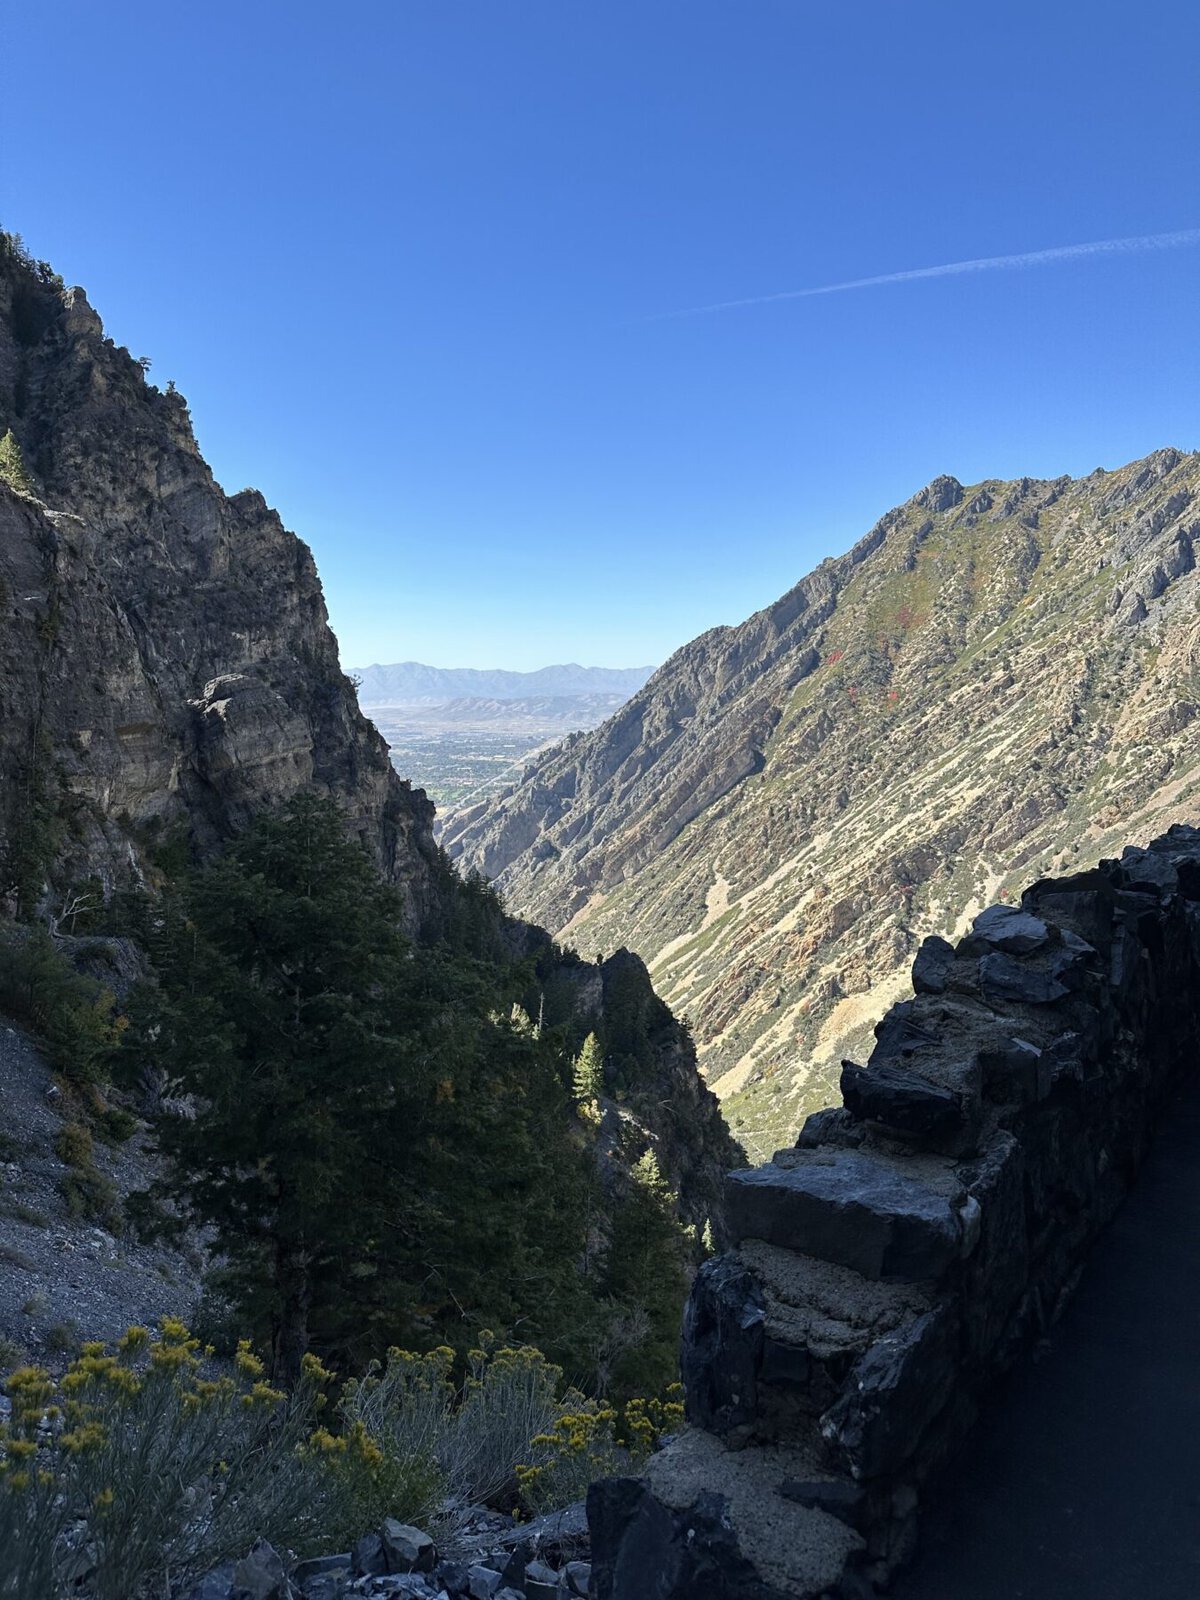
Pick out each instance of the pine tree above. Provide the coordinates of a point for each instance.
(12, 465)
(379, 1151)
(645, 1277)
(587, 1076)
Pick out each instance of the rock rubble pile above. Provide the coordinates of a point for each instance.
(492, 1559)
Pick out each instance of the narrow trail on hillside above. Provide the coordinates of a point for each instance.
(1082, 1479)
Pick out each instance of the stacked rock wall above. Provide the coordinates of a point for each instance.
(899, 1259)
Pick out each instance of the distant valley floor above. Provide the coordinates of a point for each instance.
(464, 750)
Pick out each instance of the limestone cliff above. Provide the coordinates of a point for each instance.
(165, 656)
(995, 682)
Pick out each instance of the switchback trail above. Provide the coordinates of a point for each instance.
(1082, 1478)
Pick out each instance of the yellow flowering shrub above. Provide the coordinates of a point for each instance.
(590, 1441)
(175, 1465)
(172, 1468)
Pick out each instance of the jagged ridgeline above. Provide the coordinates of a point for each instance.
(997, 681)
(168, 679)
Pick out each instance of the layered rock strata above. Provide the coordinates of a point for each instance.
(902, 1255)
(997, 682)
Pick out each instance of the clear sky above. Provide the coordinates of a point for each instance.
(409, 263)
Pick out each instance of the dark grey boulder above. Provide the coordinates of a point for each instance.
(483, 1582)
(1082, 903)
(1015, 1072)
(405, 1548)
(898, 1033)
(722, 1345)
(578, 1575)
(1149, 870)
(901, 1101)
(541, 1582)
(556, 1536)
(1005, 980)
(844, 1206)
(214, 1585)
(513, 1570)
(453, 1577)
(318, 1566)
(367, 1558)
(644, 1550)
(840, 1497)
(894, 1392)
(1007, 928)
(931, 968)
(260, 1575)
(328, 1585)
(833, 1125)
(998, 1271)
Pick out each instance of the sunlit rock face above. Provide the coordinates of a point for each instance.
(997, 681)
(166, 660)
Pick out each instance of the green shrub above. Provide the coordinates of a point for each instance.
(11, 1353)
(62, 1337)
(117, 1125)
(595, 1441)
(20, 1212)
(475, 1434)
(88, 1194)
(12, 465)
(74, 1017)
(510, 1433)
(73, 1144)
(166, 1469)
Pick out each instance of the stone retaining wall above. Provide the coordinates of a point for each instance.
(908, 1249)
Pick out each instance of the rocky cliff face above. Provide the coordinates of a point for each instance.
(165, 655)
(167, 670)
(995, 681)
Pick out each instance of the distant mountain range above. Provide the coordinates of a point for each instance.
(413, 683)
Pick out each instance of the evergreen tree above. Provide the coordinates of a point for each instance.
(381, 1156)
(646, 1277)
(12, 465)
(587, 1076)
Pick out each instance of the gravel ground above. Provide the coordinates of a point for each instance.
(60, 1276)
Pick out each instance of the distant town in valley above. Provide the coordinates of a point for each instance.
(462, 734)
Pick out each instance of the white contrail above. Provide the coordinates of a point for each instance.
(951, 269)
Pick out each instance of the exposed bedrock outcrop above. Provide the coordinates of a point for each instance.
(166, 661)
(901, 1257)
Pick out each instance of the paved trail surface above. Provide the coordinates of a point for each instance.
(1082, 1480)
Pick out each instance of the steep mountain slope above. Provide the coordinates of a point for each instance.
(996, 681)
(413, 683)
(167, 671)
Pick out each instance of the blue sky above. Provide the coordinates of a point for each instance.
(409, 264)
